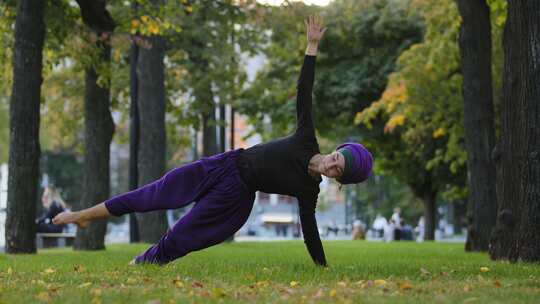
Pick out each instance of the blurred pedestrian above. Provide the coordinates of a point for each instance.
(358, 231)
(379, 225)
(53, 205)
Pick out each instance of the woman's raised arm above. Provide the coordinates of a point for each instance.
(315, 31)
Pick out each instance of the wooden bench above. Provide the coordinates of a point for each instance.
(48, 240)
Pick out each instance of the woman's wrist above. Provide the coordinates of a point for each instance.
(312, 48)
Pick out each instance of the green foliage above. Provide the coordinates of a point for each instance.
(262, 272)
(272, 94)
(422, 105)
(364, 40)
(358, 51)
(65, 171)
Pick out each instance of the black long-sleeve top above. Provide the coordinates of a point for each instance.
(281, 166)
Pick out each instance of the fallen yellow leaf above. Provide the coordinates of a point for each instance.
(96, 292)
(78, 268)
(85, 284)
(262, 283)
(178, 283)
(294, 283)
(424, 272)
(484, 269)
(379, 282)
(43, 296)
(49, 271)
(218, 293)
(405, 286)
(333, 293)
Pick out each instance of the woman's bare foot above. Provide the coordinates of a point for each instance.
(71, 217)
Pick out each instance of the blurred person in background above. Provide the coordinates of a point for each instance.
(53, 205)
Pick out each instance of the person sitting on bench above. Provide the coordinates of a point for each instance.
(53, 204)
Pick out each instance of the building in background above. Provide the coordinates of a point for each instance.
(3, 204)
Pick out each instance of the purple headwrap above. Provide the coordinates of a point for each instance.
(358, 163)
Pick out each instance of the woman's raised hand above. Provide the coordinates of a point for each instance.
(315, 30)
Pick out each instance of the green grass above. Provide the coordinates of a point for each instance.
(366, 272)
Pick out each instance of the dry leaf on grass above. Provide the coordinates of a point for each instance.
(85, 284)
(48, 271)
(424, 272)
(319, 294)
(197, 285)
(405, 286)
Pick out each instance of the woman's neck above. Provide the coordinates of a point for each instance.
(314, 167)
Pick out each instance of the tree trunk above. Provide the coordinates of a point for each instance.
(517, 234)
(134, 127)
(430, 218)
(24, 148)
(475, 50)
(210, 144)
(98, 134)
(222, 128)
(460, 213)
(151, 100)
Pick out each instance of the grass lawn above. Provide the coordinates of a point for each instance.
(366, 272)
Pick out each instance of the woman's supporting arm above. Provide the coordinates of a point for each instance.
(311, 232)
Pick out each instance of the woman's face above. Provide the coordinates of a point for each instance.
(333, 165)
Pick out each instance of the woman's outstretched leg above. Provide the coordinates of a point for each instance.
(177, 188)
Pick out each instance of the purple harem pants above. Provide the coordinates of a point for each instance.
(223, 203)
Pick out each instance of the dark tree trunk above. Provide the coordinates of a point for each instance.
(134, 127)
(460, 214)
(24, 148)
(96, 16)
(517, 234)
(98, 134)
(205, 97)
(210, 144)
(151, 100)
(475, 49)
(222, 128)
(430, 218)
(232, 129)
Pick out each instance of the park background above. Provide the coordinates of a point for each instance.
(419, 83)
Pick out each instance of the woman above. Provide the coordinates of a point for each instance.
(53, 205)
(223, 186)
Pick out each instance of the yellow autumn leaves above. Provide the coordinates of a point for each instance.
(149, 25)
